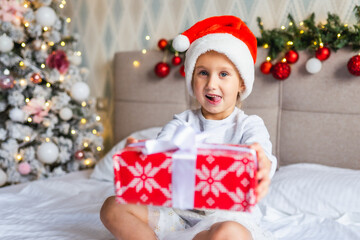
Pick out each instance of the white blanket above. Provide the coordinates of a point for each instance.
(68, 208)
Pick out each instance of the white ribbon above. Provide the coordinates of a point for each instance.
(186, 141)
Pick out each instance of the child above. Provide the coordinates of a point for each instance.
(219, 67)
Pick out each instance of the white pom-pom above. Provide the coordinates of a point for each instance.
(181, 43)
(313, 65)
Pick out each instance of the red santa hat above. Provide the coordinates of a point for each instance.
(224, 34)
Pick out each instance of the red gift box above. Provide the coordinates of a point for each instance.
(225, 177)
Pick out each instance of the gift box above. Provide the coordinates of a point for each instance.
(218, 177)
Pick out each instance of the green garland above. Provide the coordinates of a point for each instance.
(309, 36)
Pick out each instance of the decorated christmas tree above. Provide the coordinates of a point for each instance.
(48, 125)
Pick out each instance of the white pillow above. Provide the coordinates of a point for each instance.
(104, 168)
(315, 189)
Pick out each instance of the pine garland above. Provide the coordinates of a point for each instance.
(310, 36)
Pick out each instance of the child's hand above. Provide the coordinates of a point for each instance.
(263, 171)
(130, 140)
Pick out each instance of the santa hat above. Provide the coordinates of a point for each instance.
(224, 34)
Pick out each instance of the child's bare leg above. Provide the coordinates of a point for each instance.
(126, 221)
(228, 230)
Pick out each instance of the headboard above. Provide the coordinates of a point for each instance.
(310, 117)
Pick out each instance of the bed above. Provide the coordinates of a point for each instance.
(314, 125)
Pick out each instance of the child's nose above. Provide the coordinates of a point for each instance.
(212, 81)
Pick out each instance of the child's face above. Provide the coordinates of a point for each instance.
(216, 84)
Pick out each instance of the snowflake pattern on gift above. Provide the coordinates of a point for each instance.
(210, 180)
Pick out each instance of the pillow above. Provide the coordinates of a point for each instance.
(104, 168)
(315, 189)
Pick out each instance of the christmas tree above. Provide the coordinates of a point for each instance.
(48, 125)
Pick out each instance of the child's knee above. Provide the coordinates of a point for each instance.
(229, 230)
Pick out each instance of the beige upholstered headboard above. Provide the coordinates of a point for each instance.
(310, 118)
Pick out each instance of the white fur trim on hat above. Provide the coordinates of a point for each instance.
(235, 49)
(181, 43)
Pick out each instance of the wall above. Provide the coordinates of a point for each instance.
(107, 26)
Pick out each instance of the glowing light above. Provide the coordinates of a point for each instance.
(87, 161)
(6, 72)
(42, 65)
(290, 23)
(83, 104)
(48, 85)
(26, 5)
(61, 5)
(27, 100)
(147, 37)
(45, 29)
(68, 20)
(26, 24)
(73, 132)
(21, 63)
(136, 63)
(315, 43)
(61, 78)
(321, 44)
(301, 23)
(78, 53)
(19, 157)
(268, 58)
(22, 82)
(290, 43)
(94, 131)
(62, 43)
(83, 121)
(47, 139)
(346, 25)
(98, 118)
(283, 27)
(143, 51)
(283, 60)
(27, 139)
(43, 46)
(47, 104)
(86, 144)
(23, 44)
(338, 35)
(301, 31)
(51, 44)
(29, 119)
(266, 45)
(99, 148)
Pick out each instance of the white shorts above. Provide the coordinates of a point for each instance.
(173, 224)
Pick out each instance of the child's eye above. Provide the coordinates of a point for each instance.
(224, 74)
(203, 73)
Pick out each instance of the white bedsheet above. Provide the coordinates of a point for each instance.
(68, 208)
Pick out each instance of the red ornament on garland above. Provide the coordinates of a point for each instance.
(265, 67)
(162, 69)
(162, 43)
(281, 70)
(322, 53)
(36, 78)
(354, 65)
(176, 60)
(6, 82)
(182, 70)
(292, 56)
(79, 155)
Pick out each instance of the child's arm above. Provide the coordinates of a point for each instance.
(130, 140)
(263, 173)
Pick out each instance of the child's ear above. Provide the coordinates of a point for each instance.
(242, 87)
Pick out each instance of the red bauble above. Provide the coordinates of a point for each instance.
(354, 65)
(176, 60)
(79, 155)
(162, 69)
(36, 78)
(322, 53)
(162, 44)
(265, 67)
(182, 70)
(281, 70)
(292, 56)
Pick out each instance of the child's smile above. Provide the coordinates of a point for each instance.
(216, 85)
